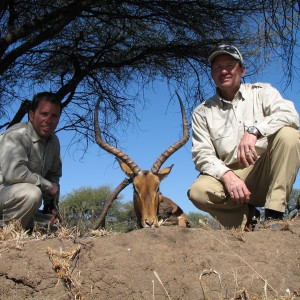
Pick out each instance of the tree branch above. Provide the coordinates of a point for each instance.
(101, 220)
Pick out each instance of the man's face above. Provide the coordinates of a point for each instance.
(45, 118)
(227, 73)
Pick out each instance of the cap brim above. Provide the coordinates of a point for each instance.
(217, 53)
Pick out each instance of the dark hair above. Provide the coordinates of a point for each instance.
(48, 96)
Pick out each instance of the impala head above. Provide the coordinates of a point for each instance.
(146, 194)
(146, 183)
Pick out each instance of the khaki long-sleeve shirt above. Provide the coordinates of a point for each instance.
(25, 157)
(218, 125)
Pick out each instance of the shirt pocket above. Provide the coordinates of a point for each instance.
(223, 140)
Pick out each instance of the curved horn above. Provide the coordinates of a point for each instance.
(114, 151)
(173, 148)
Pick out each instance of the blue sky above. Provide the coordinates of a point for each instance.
(160, 127)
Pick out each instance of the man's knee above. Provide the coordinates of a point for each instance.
(26, 194)
(206, 191)
(289, 136)
(33, 194)
(20, 201)
(196, 194)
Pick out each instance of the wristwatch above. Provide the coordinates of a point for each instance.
(254, 130)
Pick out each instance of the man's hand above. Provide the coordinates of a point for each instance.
(247, 154)
(236, 188)
(57, 218)
(52, 210)
(54, 190)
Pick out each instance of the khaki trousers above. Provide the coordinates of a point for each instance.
(19, 201)
(270, 181)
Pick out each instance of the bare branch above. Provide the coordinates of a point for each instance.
(101, 220)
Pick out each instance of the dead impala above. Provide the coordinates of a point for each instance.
(147, 196)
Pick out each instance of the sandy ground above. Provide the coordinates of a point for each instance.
(169, 262)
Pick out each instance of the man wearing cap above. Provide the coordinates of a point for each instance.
(245, 146)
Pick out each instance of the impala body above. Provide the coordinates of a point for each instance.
(147, 196)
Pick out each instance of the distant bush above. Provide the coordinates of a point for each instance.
(82, 207)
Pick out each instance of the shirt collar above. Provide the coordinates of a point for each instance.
(242, 91)
(34, 136)
(238, 96)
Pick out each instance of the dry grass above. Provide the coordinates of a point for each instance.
(241, 294)
(66, 233)
(101, 232)
(64, 262)
(61, 265)
(13, 231)
(283, 225)
(239, 235)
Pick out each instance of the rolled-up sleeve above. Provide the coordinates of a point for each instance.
(278, 111)
(218, 125)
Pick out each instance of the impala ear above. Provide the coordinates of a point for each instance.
(163, 173)
(125, 168)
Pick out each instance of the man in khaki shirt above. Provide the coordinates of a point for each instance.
(30, 164)
(245, 146)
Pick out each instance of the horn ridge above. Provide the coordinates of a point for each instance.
(110, 149)
(176, 146)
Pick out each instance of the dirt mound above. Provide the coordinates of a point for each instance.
(164, 263)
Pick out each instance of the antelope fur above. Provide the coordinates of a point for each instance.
(147, 195)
